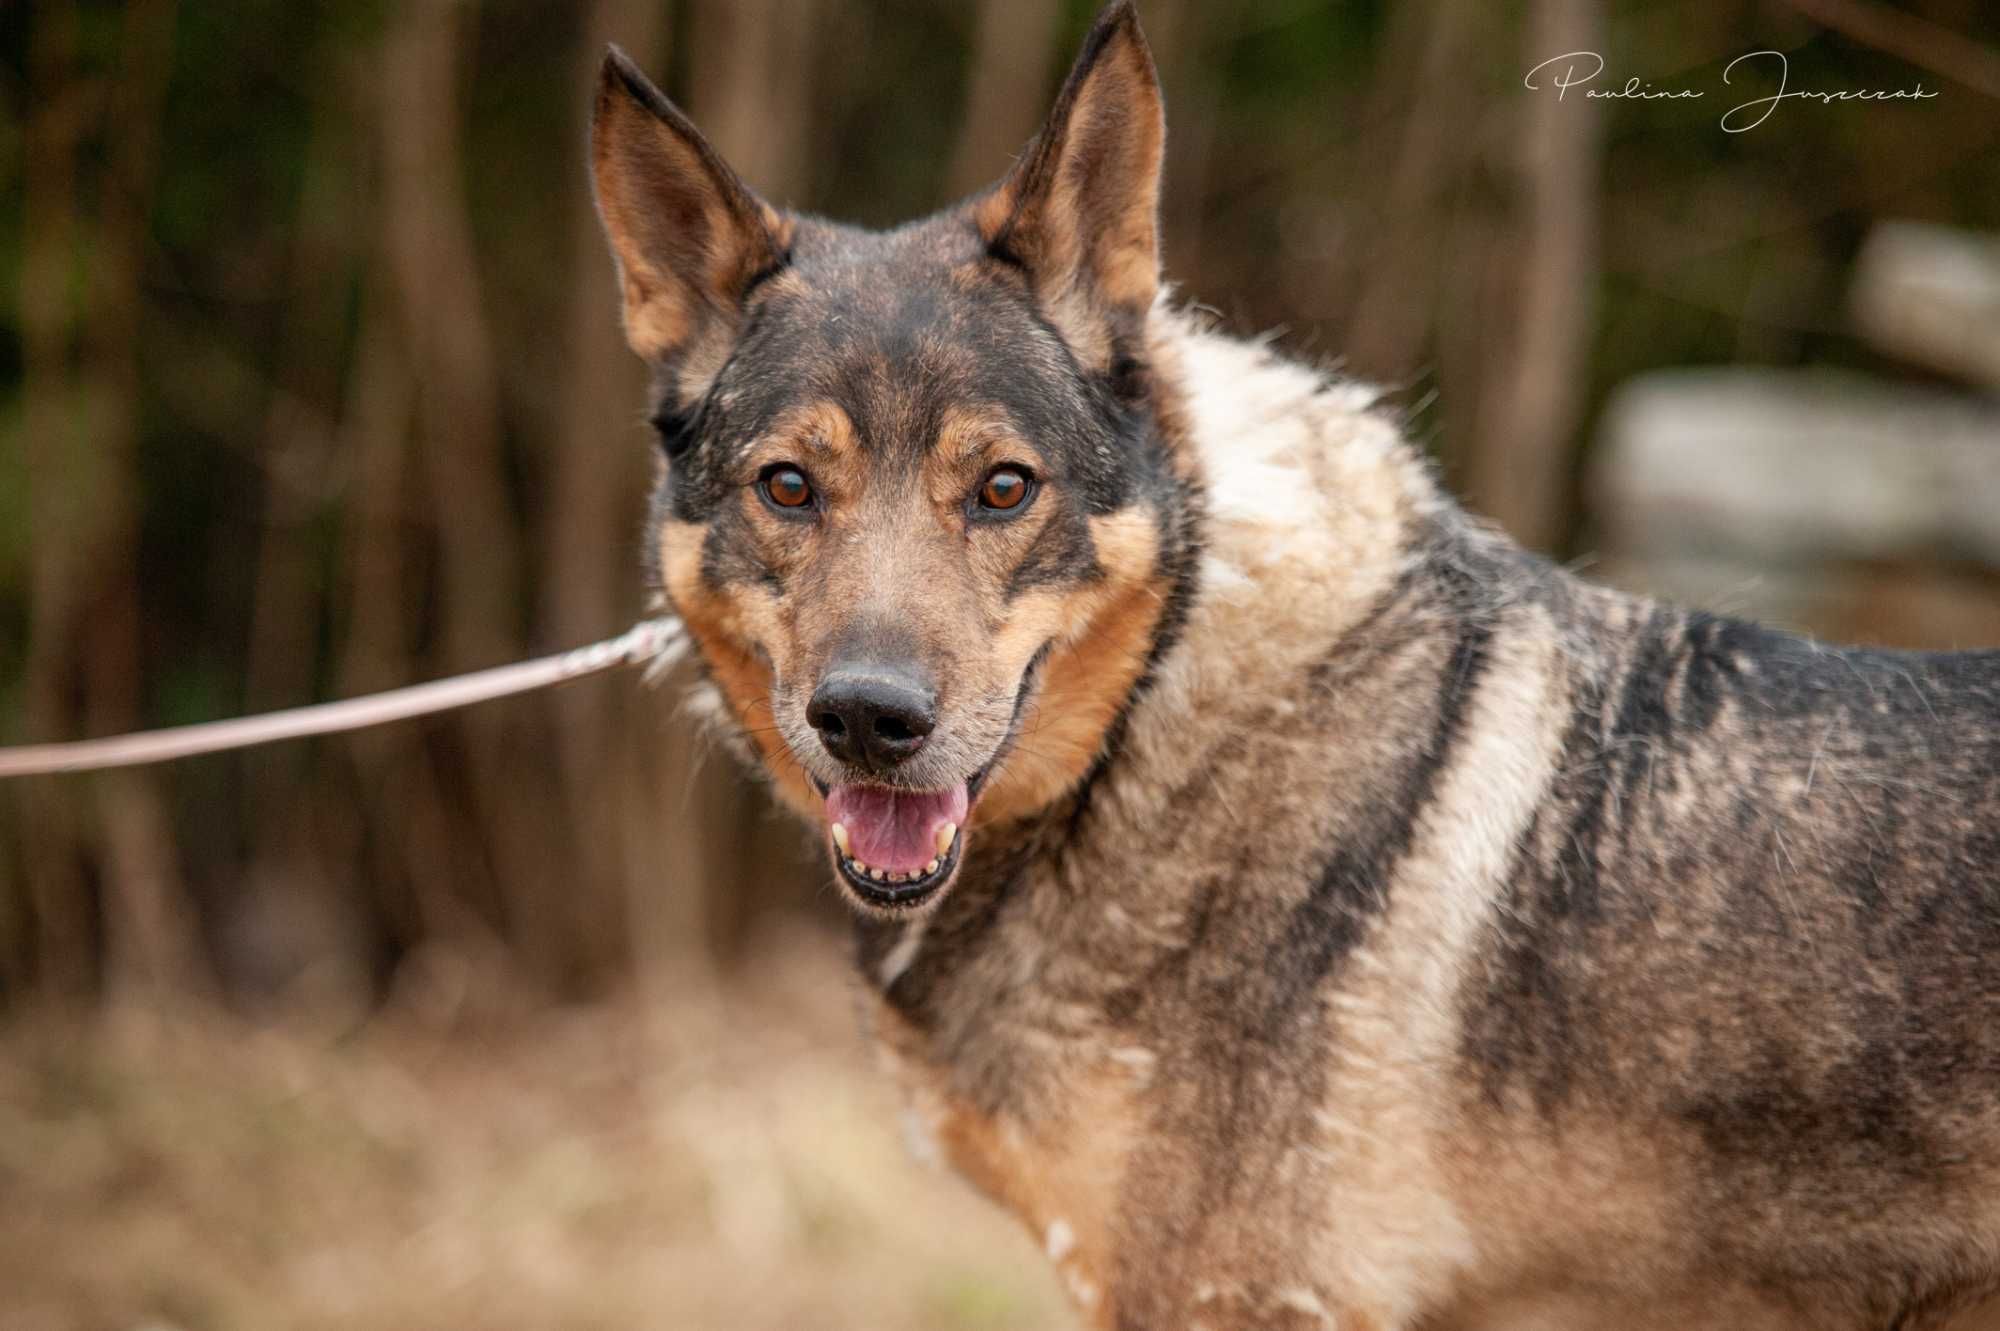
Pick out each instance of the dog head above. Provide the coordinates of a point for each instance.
(917, 507)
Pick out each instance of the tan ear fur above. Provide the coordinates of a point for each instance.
(689, 236)
(1080, 213)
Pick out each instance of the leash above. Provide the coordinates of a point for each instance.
(653, 643)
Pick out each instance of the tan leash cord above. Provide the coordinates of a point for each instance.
(652, 642)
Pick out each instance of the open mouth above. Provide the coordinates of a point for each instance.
(893, 847)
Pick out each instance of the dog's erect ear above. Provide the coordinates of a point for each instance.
(689, 236)
(1080, 213)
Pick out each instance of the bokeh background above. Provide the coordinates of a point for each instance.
(310, 384)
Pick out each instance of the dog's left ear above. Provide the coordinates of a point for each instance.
(1080, 213)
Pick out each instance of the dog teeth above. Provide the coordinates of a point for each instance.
(860, 870)
(945, 835)
(840, 838)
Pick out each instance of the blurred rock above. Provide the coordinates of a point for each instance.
(1931, 294)
(1788, 467)
(1820, 500)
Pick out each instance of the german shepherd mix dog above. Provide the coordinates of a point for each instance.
(1304, 908)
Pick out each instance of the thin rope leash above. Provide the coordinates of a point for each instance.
(653, 643)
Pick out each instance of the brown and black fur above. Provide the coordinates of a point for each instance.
(1361, 923)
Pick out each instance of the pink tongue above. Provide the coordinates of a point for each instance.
(894, 829)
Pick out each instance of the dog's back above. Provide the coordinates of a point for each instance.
(1756, 921)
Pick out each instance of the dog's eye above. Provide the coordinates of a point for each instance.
(787, 487)
(1005, 488)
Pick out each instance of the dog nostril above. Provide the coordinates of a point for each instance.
(874, 719)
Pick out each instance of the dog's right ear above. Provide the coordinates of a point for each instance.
(689, 236)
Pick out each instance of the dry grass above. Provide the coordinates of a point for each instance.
(702, 1160)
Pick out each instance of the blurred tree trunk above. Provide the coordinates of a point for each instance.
(380, 400)
(1520, 472)
(1181, 33)
(61, 945)
(617, 776)
(81, 397)
(1912, 38)
(149, 925)
(1011, 56)
(375, 417)
(750, 70)
(1398, 283)
(288, 929)
(427, 236)
(506, 824)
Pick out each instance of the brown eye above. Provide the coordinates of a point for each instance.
(787, 487)
(1004, 489)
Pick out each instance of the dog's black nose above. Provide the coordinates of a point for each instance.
(873, 717)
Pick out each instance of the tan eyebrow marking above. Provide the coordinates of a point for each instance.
(819, 436)
(820, 427)
(970, 439)
(969, 433)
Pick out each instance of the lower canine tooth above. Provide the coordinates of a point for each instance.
(945, 835)
(840, 837)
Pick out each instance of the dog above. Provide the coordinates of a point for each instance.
(1303, 907)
